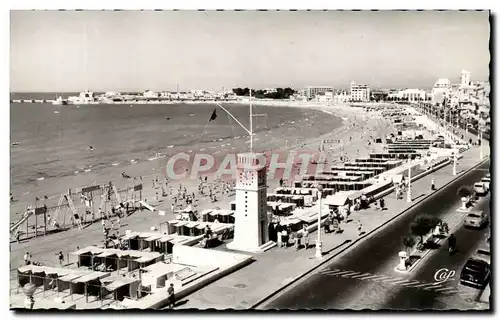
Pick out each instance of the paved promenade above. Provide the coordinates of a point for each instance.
(279, 266)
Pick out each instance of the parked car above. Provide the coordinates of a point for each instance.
(486, 182)
(475, 273)
(476, 219)
(480, 189)
(483, 253)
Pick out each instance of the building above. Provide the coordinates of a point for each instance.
(342, 96)
(251, 231)
(148, 94)
(442, 90)
(412, 95)
(465, 79)
(360, 92)
(312, 91)
(324, 97)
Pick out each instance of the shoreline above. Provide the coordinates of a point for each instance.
(146, 167)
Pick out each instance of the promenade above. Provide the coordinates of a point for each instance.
(278, 267)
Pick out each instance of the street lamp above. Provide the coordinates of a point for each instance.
(408, 194)
(455, 162)
(480, 144)
(319, 252)
(28, 290)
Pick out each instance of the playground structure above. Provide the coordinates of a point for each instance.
(74, 209)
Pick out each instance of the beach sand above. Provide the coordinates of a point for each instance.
(357, 125)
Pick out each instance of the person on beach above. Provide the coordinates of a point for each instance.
(171, 296)
(360, 228)
(61, 257)
(305, 235)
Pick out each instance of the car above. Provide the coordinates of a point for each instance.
(486, 182)
(480, 189)
(476, 219)
(475, 273)
(483, 253)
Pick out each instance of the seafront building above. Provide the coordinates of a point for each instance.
(441, 91)
(360, 92)
(312, 91)
(412, 95)
(342, 96)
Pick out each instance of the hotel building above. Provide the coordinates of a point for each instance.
(312, 91)
(360, 92)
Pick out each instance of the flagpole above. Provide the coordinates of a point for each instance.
(251, 123)
(229, 113)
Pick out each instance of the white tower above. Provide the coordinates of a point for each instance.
(465, 78)
(251, 231)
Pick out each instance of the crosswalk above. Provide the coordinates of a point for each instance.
(439, 287)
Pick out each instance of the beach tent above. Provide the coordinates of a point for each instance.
(336, 200)
(120, 287)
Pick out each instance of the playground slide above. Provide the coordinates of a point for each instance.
(25, 216)
(147, 206)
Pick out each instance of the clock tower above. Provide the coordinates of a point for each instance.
(251, 232)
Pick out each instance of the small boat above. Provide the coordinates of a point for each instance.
(15, 143)
(56, 112)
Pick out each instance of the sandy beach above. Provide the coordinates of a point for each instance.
(354, 134)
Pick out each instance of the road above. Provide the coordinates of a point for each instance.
(468, 241)
(364, 276)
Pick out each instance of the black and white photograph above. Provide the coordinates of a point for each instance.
(180, 160)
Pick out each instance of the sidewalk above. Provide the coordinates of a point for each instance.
(275, 268)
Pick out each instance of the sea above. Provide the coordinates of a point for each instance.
(53, 142)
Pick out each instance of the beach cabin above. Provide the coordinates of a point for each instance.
(119, 287)
(159, 275)
(337, 200)
(222, 216)
(108, 260)
(309, 216)
(280, 209)
(298, 200)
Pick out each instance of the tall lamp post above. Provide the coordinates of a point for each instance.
(455, 162)
(480, 144)
(319, 250)
(408, 194)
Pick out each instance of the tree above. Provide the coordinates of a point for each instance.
(423, 224)
(465, 192)
(408, 242)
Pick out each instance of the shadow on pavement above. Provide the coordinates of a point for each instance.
(340, 245)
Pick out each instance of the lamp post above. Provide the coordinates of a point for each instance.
(455, 162)
(319, 251)
(29, 290)
(480, 145)
(408, 194)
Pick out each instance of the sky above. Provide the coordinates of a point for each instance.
(70, 51)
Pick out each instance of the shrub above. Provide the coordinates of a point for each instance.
(423, 224)
(465, 191)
